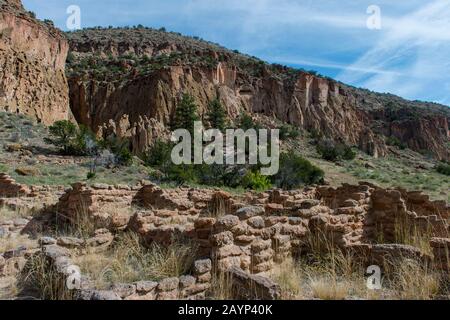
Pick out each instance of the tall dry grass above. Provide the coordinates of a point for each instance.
(40, 277)
(128, 261)
(221, 286)
(409, 233)
(328, 272)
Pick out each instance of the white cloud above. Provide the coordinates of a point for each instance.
(417, 47)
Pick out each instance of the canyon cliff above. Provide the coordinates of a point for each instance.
(129, 81)
(32, 62)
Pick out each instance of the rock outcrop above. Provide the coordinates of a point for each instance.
(154, 68)
(32, 63)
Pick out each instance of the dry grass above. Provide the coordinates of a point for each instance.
(221, 286)
(288, 276)
(128, 261)
(80, 226)
(328, 288)
(329, 273)
(322, 272)
(13, 241)
(411, 280)
(408, 233)
(8, 288)
(6, 213)
(40, 277)
(217, 207)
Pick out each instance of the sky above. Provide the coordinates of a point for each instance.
(396, 46)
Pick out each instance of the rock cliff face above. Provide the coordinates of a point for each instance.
(152, 69)
(32, 62)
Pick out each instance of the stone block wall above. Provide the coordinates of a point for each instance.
(105, 206)
(441, 253)
(254, 231)
(186, 287)
(9, 188)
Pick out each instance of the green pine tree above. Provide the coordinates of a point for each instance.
(217, 115)
(185, 114)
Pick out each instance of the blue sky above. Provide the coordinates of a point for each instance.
(408, 56)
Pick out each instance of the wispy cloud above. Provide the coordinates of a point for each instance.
(417, 46)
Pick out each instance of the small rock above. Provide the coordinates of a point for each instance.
(309, 203)
(105, 295)
(186, 281)
(256, 222)
(145, 286)
(350, 203)
(228, 221)
(222, 238)
(54, 251)
(20, 222)
(70, 242)
(168, 284)
(202, 266)
(100, 186)
(19, 252)
(123, 289)
(45, 241)
(248, 212)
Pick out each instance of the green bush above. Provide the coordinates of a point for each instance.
(295, 172)
(394, 141)
(220, 175)
(443, 168)
(159, 154)
(73, 140)
(120, 147)
(256, 181)
(90, 175)
(315, 134)
(63, 134)
(333, 151)
(288, 132)
(246, 122)
(183, 173)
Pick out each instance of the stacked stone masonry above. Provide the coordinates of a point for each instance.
(255, 231)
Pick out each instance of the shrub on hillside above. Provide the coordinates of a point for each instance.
(443, 168)
(246, 122)
(71, 139)
(159, 154)
(295, 172)
(63, 134)
(120, 147)
(256, 181)
(333, 151)
(288, 132)
(394, 141)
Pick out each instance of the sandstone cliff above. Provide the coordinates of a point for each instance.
(139, 74)
(32, 62)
